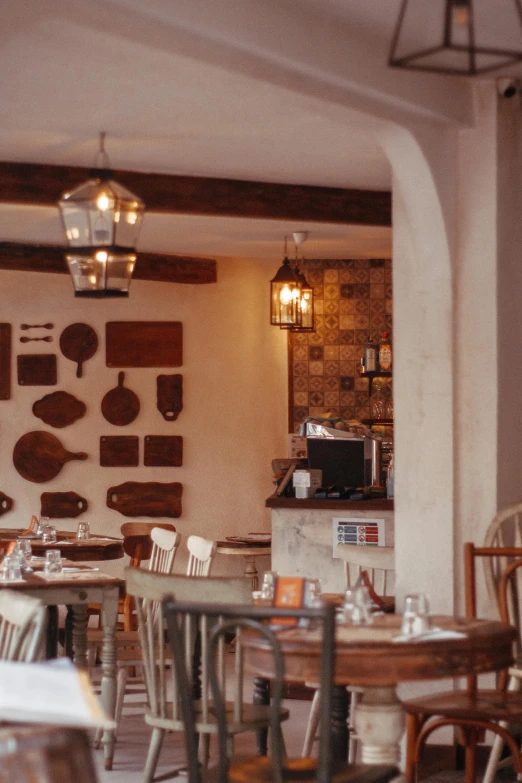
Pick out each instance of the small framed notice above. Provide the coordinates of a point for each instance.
(358, 531)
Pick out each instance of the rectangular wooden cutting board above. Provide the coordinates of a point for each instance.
(163, 450)
(119, 451)
(5, 361)
(144, 344)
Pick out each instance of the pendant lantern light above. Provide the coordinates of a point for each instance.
(284, 295)
(463, 37)
(305, 305)
(102, 221)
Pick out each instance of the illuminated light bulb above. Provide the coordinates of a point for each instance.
(117, 217)
(73, 233)
(304, 305)
(461, 12)
(102, 202)
(101, 256)
(131, 218)
(286, 295)
(92, 279)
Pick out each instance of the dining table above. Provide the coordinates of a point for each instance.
(77, 587)
(93, 549)
(376, 657)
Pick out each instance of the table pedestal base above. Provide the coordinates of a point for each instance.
(380, 722)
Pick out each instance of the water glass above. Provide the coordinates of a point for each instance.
(24, 553)
(268, 586)
(41, 522)
(53, 562)
(48, 534)
(83, 532)
(11, 570)
(416, 617)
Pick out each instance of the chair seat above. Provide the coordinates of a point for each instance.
(244, 769)
(254, 716)
(486, 705)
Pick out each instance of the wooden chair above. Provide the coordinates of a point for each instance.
(23, 622)
(379, 564)
(473, 710)
(138, 545)
(201, 555)
(164, 546)
(215, 622)
(164, 714)
(504, 531)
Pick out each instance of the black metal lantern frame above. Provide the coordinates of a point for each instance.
(459, 36)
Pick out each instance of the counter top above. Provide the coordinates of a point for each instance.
(330, 503)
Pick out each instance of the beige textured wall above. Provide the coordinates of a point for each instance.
(234, 419)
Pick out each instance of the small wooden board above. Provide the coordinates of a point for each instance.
(144, 344)
(5, 361)
(170, 395)
(120, 451)
(61, 505)
(59, 409)
(37, 369)
(6, 503)
(150, 499)
(163, 451)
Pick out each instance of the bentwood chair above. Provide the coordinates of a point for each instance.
(474, 711)
(23, 622)
(376, 565)
(215, 622)
(163, 686)
(201, 555)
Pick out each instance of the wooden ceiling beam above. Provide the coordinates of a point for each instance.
(149, 266)
(42, 185)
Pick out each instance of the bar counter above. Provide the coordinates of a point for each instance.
(302, 535)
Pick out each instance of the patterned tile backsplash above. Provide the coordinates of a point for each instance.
(353, 300)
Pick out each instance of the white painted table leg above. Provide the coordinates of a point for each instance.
(109, 616)
(79, 634)
(380, 722)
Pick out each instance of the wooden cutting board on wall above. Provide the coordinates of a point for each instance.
(148, 499)
(144, 344)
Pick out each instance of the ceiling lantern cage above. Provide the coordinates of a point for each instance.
(463, 37)
(102, 220)
(284, 295)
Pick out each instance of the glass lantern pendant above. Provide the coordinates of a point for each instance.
(284, 296)
(305, 306)
(102, 221)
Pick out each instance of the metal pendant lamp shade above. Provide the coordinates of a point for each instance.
(102, 221)
(462, 37)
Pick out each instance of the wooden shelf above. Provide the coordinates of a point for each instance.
(376, 374)
(387, 422)
(377, 504)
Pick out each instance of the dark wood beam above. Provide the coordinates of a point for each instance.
(42, 185)
(149, 266)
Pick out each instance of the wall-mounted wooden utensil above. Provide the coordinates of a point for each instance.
(169, 390)
(163, 451)
(61, 505)
(36, 326)
(6, 503)
(78, 342)
(39, 456)
(144, 344)
(5, 361)
(120, 405)
(36, 339)
(59, 409)
(37, 369)
(120, 451)
(150, 499)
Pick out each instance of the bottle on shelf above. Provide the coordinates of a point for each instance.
(385, 354)
(390, 479)
(370, 356)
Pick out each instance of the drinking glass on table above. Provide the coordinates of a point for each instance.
(11, 569)
(268, 586)
(53, 562)
(41, 522)
(48, 534)
(24, 551)
(83, 532)
(416, 617)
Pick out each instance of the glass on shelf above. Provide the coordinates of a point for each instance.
(378, 401)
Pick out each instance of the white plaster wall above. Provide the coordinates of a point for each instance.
(234, 419)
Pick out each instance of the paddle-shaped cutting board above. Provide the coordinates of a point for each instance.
(59, 409)
(39, 456)
(6, 503)
(149, 499)
(61, 505)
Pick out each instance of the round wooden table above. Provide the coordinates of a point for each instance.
(249, 552)
(368, 656)
(95, 548)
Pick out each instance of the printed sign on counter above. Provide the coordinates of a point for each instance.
(357, 530)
